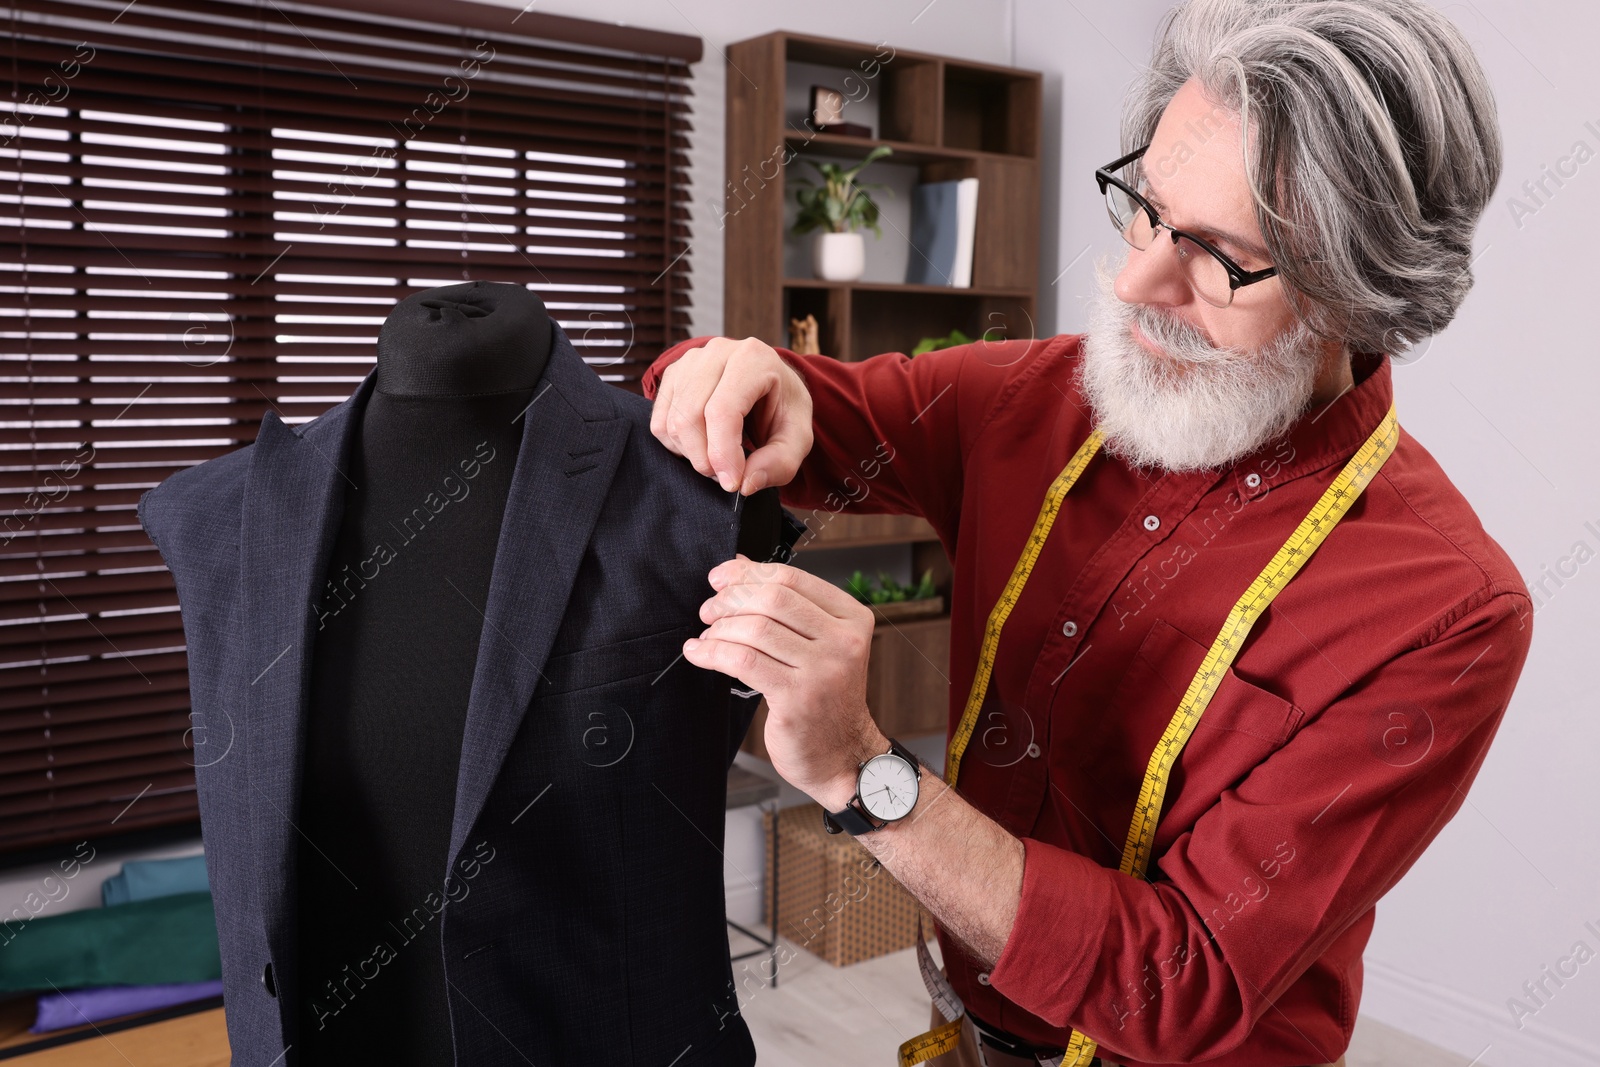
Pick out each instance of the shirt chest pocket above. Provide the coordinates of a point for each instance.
(1241, 726)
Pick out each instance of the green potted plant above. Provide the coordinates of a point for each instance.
(894, 600)
(838, 207)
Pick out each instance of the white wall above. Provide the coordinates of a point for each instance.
(1087, 65)
(1505, 400)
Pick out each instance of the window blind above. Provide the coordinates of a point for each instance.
(207, 209)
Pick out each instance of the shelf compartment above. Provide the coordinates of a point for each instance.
(890, 321)
(990, 110)
(831, 306)
(856, 320)
(907, 85)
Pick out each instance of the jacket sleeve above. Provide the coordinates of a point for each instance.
(891, 432)
(1181, 968)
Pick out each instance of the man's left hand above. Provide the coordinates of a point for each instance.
(803, 643)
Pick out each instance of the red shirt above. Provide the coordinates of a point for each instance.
(1340, 742)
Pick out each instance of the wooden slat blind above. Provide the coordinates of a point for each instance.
(207, 209)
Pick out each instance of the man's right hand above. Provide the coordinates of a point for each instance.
(711, 396)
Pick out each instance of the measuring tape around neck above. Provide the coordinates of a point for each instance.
(1335, 501)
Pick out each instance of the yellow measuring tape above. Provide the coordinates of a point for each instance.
(1313, 529)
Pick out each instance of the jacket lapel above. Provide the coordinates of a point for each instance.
(294, 497)
(572, 441)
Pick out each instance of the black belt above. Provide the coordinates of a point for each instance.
(1012, 1045)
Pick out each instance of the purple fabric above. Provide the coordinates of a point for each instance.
(78, 1006)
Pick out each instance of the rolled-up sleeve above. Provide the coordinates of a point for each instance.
(1183, 966)
(892, 432)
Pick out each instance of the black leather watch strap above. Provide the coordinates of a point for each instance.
(852, 819)
(906, 754)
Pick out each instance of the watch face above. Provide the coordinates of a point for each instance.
(888, 787)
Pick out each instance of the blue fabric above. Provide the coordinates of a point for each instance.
(147, 879)
(57, 1011)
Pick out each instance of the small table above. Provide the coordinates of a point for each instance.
(746, 787)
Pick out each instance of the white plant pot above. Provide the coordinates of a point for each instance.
(838, 257)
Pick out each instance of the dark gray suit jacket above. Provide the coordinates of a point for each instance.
(585, 922)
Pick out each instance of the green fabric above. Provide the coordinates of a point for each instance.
(167, 939)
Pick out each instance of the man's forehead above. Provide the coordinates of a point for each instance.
(1194, 170)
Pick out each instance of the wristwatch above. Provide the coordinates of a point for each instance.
(886, 790)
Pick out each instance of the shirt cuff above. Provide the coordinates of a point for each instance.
(650, 380)
(1055, 941)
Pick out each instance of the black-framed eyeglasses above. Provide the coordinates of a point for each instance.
(1213, 275)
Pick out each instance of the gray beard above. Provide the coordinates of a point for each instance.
(1205, 408)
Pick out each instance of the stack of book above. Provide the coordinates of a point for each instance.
(944, 218)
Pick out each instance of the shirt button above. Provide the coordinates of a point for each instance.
(983, 977)
(1033, 748)
(1252, 479)
(1152, 523)
(1069, 628)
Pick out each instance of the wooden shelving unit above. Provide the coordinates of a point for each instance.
(950, 118)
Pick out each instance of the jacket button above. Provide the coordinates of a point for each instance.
(1152, 522)
(266, 981)
(983, 977)
(1069, 628)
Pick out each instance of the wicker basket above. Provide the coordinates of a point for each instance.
(834, 899)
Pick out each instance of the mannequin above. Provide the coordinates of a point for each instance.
(412, 609)
(397, 639)
(398, 625)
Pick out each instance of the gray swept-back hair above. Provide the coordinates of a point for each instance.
(1376, 131)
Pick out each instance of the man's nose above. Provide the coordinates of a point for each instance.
(1154, 275)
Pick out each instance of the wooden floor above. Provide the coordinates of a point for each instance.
(199, 1039)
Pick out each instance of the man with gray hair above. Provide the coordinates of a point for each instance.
(1227, 646)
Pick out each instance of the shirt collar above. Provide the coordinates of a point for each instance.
(1327, 434)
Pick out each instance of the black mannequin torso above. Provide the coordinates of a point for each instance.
(399, 625)
(396, 645)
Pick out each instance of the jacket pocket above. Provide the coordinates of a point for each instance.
(630, 659)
